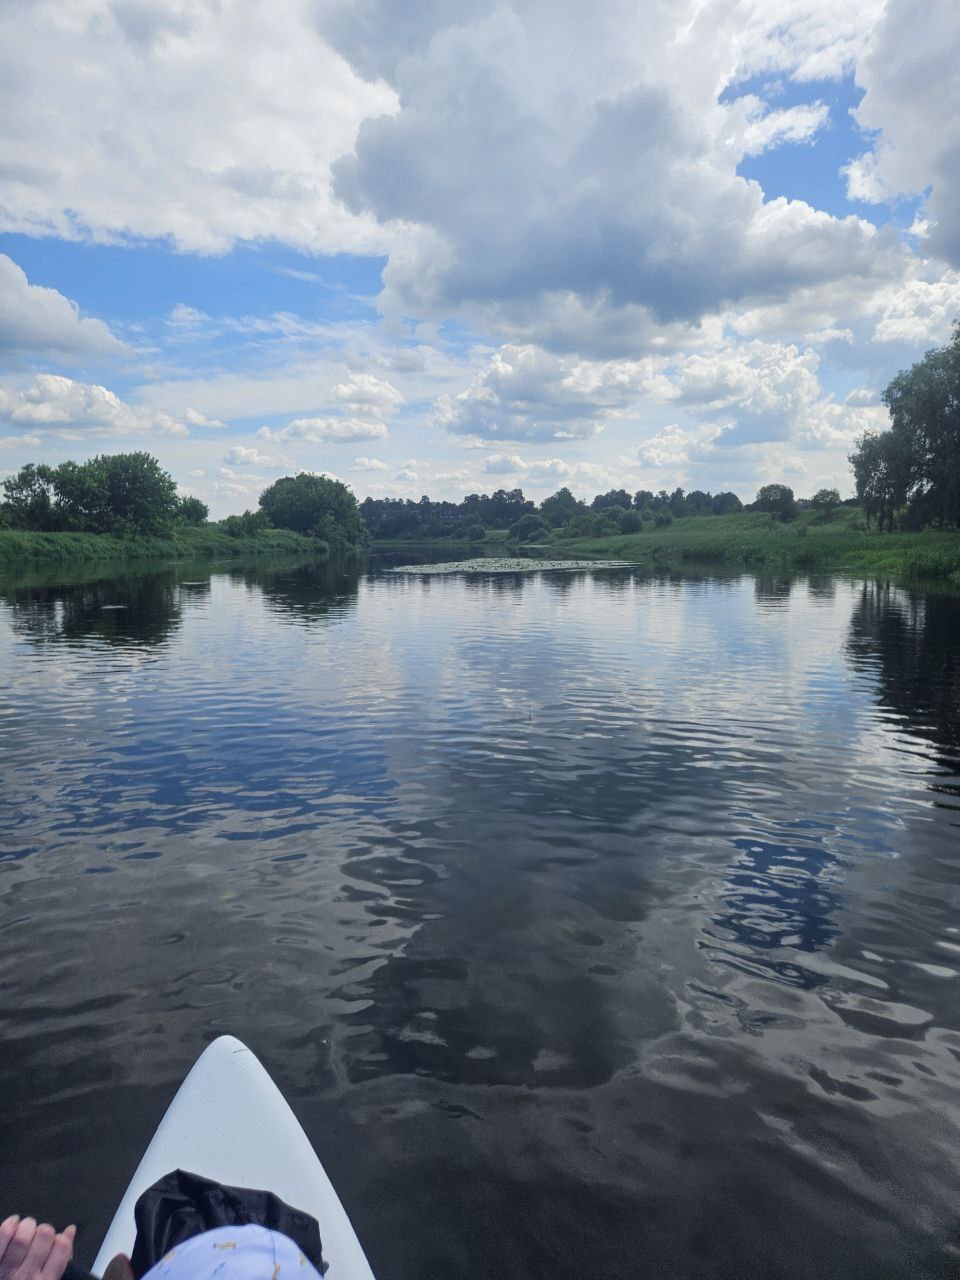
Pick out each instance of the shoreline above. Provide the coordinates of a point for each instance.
(746, 541)
(21, 549)
(752, 542)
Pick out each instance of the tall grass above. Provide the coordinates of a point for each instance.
(752, 540)
(206, 542)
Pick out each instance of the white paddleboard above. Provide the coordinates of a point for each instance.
(229, 1122)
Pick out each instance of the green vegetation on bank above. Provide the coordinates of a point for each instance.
(183, 543)
(124, 506)
(813, 541)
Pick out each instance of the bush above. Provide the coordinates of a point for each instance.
(475, 532)
(614, 516)
(632, 522)
(193, 511)
(529, 526)
(584, 525)
(244, 525)
(662, 519)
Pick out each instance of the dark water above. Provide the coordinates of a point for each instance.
(593, 925)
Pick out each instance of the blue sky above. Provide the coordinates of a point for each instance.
(813, 170)
(683, 244)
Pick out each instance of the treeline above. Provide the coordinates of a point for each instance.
(401, 518)
(615, 511)
(910, 475)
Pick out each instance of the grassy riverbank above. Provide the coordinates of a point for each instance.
(206, 542)
(752, 540)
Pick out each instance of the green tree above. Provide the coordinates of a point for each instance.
(725, 504)
(82, 501)
(112, 493)
(529, 526)
(475, 532)
(632, 522)
(193, 511)
(614, 516)
(826, 500)
(678, 504)
(882, 466)
(315, 505)
(29, 499)
(698, 503)
(916, 464)
(560, 507)
(118, 493)
(778, 499)
(612, 498)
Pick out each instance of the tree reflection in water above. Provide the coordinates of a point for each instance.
(907, 642)
(304, 592)
(133, 611)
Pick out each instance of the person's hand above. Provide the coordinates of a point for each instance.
(31, 1252)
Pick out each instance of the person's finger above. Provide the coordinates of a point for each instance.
(19, 1245)
(36, 1255)
(8, 1228)
(61, 1251)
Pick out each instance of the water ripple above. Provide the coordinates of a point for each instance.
(612, 916)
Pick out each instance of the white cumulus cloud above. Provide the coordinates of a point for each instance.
(502, 464)
(542, 153)
(39, 321)
(526, 393)
(54, 403)
(203, 122)
(911, 106)
(676, 446)
(328, 430)
(240, 456)
(366, 393)
(759, 391)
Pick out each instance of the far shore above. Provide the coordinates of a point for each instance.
(751, 540)
(811, 543)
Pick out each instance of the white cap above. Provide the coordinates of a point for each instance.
(235, 1253)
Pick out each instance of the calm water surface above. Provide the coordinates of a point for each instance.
(594, 925)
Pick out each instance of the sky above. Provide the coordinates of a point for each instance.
(453, 246)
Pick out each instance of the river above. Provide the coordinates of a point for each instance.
(594, 924)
